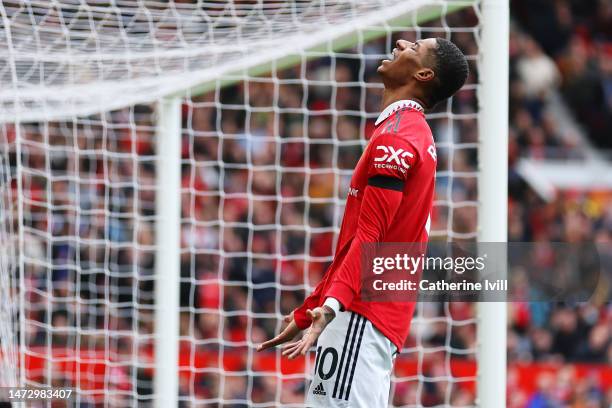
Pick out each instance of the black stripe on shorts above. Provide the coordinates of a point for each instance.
(348, 390)
(360, 319)
(346, 340)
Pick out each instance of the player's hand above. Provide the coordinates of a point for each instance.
(321, 317)
(288, 334)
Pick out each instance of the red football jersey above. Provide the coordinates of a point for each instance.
(389, 200)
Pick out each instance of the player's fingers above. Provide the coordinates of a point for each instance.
(281, 338)
(305, 344)
(295, 352)
(290, 332)
(270, 343)
(288, 318)
(304, 347)
(291, 348)
(292, 344)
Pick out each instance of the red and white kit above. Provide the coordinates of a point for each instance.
(390, 200)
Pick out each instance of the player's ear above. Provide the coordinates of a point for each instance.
(425, 75)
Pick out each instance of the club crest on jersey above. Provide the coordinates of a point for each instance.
(392, 158)
(353, 192)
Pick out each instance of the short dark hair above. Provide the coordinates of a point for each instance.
(451, 69)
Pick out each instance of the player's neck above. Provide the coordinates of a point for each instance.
(399, 94)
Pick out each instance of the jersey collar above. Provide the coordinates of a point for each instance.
(395, 106)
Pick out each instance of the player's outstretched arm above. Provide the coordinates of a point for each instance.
(381, 200)
(379, 206)
(286, 335)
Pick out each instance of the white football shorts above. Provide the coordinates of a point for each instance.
(353, 365)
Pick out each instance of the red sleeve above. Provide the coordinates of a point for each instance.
(378, 209)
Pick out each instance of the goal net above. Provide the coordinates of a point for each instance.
(8, 269)
(232, 126)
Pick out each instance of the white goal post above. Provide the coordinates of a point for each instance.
(493, 187)
(81, 72)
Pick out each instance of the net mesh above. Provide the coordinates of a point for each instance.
(8, 267)
(268, 148)
(76, 57)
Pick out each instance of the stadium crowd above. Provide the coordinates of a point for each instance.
(266, 164)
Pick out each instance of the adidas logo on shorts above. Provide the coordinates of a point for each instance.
(319, 390)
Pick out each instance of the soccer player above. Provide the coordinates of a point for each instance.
(390, 199)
